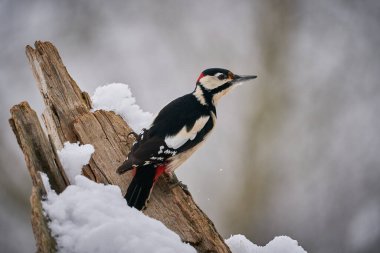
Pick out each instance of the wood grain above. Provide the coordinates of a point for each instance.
(39, 157)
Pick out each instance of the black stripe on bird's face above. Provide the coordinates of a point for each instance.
(221, 88)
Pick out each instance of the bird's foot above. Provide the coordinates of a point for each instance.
(126, 137)
(134, 135)
(174, 182)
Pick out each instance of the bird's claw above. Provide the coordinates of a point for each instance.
(134, 135)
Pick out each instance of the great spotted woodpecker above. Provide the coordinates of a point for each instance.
(176, 133)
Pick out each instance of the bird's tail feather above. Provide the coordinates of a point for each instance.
(139, 189)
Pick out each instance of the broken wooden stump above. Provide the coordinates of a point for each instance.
(68, 117)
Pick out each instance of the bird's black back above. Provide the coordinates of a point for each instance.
(182, 111)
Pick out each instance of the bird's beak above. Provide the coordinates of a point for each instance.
(240, 79)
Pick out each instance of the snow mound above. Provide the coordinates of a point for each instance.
(73, 156)
(95, 218)
(280, 244)
(117, 97)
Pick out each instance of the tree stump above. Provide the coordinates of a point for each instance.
(67, 117)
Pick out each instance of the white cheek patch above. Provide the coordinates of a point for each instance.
(183, 135)
(211, 82)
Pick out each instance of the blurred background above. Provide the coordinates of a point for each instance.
(295, 152)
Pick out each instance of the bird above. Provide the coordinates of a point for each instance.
(177, 131)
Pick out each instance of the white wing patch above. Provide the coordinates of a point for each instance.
(183, 135)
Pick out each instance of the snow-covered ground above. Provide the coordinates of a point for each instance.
(92, 217)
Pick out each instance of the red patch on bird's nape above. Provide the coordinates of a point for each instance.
(159, 170)
(200, 76)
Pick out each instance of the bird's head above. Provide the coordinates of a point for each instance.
(214, 83)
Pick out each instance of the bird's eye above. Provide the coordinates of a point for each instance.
(222, 76)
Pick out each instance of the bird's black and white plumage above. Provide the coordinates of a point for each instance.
(177, 131)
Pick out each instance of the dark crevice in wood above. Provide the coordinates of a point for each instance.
(87, 99)
(61, 170)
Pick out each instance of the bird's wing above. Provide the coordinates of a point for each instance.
(179, 126)
(185, 134)
(142, 153)
(156, 149)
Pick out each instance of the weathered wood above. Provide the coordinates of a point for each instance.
(45, 242)
(60, 168)
(39, 157)
(39, 154)
(110, 147)
(63, 99)
(67, 118)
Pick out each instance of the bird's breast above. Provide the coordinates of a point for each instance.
(175, 161)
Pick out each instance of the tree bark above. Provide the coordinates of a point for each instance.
(68, 118)
(40, 156)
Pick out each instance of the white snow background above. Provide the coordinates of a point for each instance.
(92, 217)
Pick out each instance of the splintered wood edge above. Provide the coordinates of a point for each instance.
(62, 96)
(38, 152)
(45, 241)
